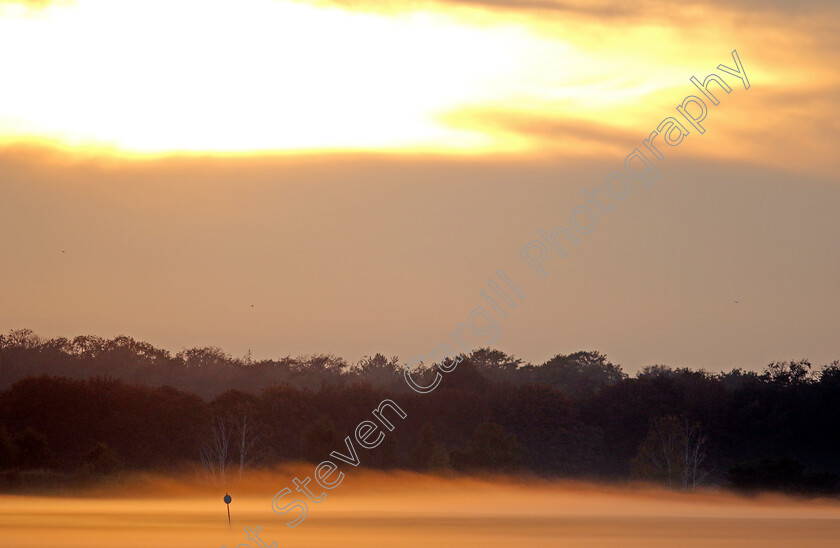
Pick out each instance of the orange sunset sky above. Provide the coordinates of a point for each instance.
(356, 171)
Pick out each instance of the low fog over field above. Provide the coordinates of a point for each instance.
(375, 509)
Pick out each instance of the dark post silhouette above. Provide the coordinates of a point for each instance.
(227, 501)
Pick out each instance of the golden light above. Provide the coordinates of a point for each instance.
(155, 76)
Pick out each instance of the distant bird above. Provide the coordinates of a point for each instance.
(62, 251)
(252, 306)
(736, 302)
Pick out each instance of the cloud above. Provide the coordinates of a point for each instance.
(608, 9)
(549, 132)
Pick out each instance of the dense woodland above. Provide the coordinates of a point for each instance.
(92, 406)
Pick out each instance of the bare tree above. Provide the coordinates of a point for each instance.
(246, 442)
(214, 452)
(693, 444)
(673, 452)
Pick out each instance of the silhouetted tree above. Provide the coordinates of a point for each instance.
(580, 375)
(33, 450)
(386, 454)
(673, 453)
(425, 448)
(492, 448)
(319, 439)
(246, 441)
(575, 415)
(788, 373)
(8, 449)
(379, 371)
(214, 451)
(101, 459)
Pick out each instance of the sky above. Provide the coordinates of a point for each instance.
(338, 176)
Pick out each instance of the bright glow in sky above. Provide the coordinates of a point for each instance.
(198, 75)
(151, 76)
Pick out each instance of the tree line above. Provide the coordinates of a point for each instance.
(94, 406)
